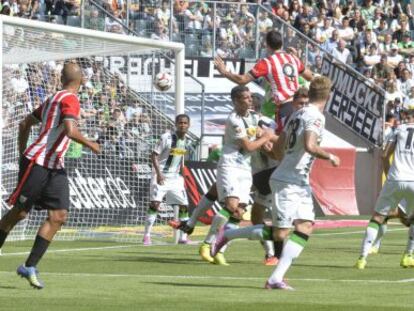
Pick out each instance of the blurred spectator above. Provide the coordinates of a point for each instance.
(381, 71)
(342, 53)
(18, 82)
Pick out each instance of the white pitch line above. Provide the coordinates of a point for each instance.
(204, 277)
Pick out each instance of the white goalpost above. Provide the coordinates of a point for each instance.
(110, 192)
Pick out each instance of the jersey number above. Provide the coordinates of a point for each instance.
(408, 142)
(292, 128)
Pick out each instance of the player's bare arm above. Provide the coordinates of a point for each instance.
(156, 166)
(250, 146)
(72, 131)
(278, 148)
(313, 148)
(236, 78)
(386, 156)
(24, 131)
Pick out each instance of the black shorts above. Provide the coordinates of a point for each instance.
(43, 187)
(261, 181)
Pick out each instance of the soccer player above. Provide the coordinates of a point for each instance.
(234, 177)
(398, 186)
(42, 178)
(167, 181)
(292, 195)
(260, 231)
(280, 69)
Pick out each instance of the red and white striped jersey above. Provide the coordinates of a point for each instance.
(52, 143)
(282, 71)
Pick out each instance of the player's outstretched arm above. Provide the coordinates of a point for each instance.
(313, 148)
(24, 131)
(236, 78)
(72, 131)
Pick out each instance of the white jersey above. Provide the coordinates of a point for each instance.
(171, 150)
(261, 161)
(402, 168)
(297, 163)
(238, 127)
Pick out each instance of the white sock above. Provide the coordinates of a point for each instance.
(251, 233)
(183, 236)
(218, 221)
(201, 208)
(268, 247)
(410, 243)
(370, 234)
(292, 249)
(149, 222)
(381, 232)
(229, 226)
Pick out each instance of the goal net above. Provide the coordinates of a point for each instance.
(110, 192)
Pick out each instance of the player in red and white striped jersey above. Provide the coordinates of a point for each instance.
(42, 179)
(280, 69)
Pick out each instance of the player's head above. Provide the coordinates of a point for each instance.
(257, 101)
(274, 40)
(182, 123)
(300, 98)
(241, 98)
(71, 75)
(410, 115)
(320, 89)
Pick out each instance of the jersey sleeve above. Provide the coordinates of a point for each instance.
(161, 144)
(314, 123)
(70, 108)
(261, 69)
(237, 127)
(299, 64)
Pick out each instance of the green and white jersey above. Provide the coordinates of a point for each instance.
(171, 151)
(402, 167)
(238, 127)
(297, 163)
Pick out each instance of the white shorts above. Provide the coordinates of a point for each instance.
(233, 182)
(173, 190)
(290, 202)
(392, 193)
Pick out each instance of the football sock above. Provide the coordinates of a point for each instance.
(370, 234)
(278, 248)
(268, 248)
(251, 233)
(233, 225)
(381, 232)
(3, 236)
(219, 221)
(149, 222)
(38, 250)
(291, 251)
(410, 243)
(201, 208)
(183, 216)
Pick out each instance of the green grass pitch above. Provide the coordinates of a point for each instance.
(108, 276)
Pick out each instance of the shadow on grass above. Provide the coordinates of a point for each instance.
(7, 287)
(203, 285)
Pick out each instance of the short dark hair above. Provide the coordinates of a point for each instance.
(301, 92)
(180, 116)
(237, 90)
(274, 39)
(389, 117)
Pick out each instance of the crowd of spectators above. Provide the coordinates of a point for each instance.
(110, 113)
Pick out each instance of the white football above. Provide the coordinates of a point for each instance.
(163, 81)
